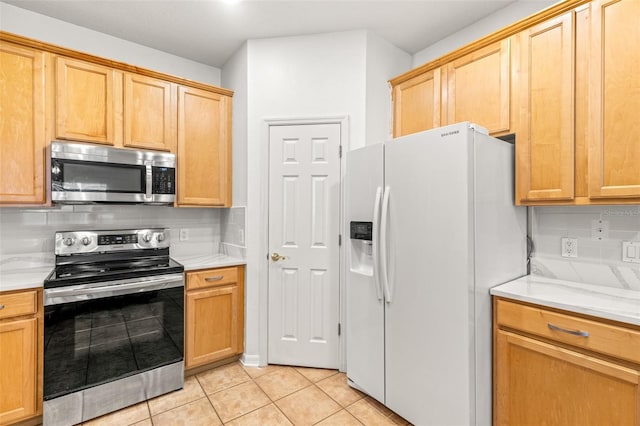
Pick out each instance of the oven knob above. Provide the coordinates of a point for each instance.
(146, 238)
(86, 240)
(160, 237)
(68, 241)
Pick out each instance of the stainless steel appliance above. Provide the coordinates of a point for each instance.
(114, 323)
(84, 173)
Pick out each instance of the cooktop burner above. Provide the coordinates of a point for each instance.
(101, 256)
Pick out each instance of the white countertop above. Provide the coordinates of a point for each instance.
(208, 261)
(599, 301)
(21, 271)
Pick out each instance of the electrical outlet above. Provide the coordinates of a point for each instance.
(184, 234)
(569, 247)
(599, 229)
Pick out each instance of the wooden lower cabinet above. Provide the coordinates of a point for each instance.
(21, 355)
(215, 315)
(560, 380)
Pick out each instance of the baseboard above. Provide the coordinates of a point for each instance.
(250, 360)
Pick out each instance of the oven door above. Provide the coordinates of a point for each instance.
(102, 332)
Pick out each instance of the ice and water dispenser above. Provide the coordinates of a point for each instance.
(361, 235)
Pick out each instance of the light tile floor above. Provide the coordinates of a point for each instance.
(246, 396)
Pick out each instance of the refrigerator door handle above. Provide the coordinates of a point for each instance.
(374, 245)
(384, 228)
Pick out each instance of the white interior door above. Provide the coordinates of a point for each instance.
(304, 218)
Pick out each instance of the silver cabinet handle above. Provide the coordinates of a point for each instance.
(216, 278)
(564, 330)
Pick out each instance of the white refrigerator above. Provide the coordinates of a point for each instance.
(432, 227)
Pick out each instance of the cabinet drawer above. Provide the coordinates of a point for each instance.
(612, 340)
(211, 278)
(14, 304)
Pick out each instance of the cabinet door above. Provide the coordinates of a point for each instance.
(22, 133)
(213, 319)
(149, 113)
(204, 148)
(545, 138)
(416, 103)
(537, 383)
(87, 99)
(614, 148)
(18, 345)
(478, 88)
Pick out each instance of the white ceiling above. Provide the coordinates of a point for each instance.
(210, 31)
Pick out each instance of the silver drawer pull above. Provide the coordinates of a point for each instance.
(216, 278)
(1, 306)
(564, 330)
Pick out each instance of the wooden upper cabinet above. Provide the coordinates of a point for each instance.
(478, 88)
(545, 136)
(614, 146)
(88, 102)
(416, 103)
(149, 113)
(204, 148)
(22, 132)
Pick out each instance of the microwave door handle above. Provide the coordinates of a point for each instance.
(149, 180)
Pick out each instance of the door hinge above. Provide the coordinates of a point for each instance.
(340, 151)
(339, 329)
(339, 239)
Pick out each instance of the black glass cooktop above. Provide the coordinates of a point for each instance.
(111, 270)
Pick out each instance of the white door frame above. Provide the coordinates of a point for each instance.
(263, 279)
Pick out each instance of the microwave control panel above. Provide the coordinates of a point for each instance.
(164, 180)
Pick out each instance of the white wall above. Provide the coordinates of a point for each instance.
(43, 28)
(235, 75)
(294, 77)
(384, 61)
(325, 75)
(494, 22)
(599, 262)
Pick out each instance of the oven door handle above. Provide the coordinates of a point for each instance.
(56, 296)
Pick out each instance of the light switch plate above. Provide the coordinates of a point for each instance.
(631, 251)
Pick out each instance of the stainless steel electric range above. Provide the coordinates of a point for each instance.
(114, 323)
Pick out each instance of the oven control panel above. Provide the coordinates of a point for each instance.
(106, 240)
(77, 242)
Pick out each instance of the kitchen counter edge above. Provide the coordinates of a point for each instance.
(21, 272)
(598, 301)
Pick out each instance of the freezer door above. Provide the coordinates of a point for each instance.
(365, 308)
(429, 319)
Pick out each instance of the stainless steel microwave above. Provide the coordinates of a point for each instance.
(84, 173)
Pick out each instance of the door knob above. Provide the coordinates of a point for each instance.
(275, 257)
